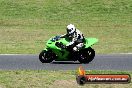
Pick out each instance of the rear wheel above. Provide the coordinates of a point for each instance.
(86, 56)
(46, 56)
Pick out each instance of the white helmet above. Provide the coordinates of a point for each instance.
(71, 29)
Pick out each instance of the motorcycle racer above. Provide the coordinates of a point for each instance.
(77, 38)
(71, 46)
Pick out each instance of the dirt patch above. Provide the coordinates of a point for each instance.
(64, 84)
(2, 86)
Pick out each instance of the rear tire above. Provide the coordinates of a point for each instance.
(46, 56)
(86, 55)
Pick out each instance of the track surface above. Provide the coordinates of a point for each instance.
(101, 62)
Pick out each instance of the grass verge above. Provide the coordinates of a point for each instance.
(26, 25)
(52, 79)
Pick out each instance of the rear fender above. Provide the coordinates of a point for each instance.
(90, 41)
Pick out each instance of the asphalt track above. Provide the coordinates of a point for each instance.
(101, 62)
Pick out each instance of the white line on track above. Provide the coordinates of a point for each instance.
(18, 54)
(37, 54)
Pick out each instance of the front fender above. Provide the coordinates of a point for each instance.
(90, 41)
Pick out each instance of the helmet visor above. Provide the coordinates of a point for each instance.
(69, 31)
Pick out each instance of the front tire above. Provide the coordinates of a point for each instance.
(86, 55)
(46, 56)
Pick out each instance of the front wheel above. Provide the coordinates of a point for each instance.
(46, 56)
(86, 56)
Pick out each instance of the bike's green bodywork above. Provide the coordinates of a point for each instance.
(62, 54)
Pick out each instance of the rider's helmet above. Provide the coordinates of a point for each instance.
(70, 29)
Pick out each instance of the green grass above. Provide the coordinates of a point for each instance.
(25, 25)
(52, 79)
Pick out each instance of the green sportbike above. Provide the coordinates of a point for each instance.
(57, 50)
